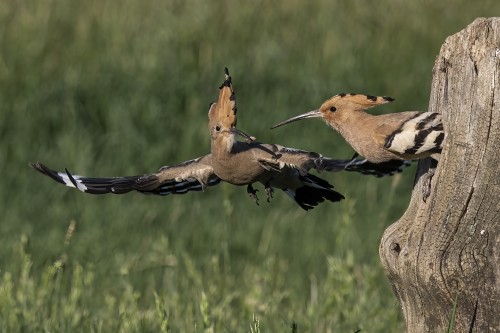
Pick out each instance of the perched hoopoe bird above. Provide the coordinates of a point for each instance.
(406, 135)
(238, 163)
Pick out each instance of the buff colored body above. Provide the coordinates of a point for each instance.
(406, 135)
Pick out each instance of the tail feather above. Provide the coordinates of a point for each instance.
(315, 191)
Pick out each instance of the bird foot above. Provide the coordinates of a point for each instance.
(269, 193)
(426, 183)
(353, 159)
(253, 194)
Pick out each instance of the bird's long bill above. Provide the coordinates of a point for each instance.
(310, 114)
(247, 137)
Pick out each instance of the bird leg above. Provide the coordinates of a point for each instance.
(426, 183)
(353, 159)
(269, 192)
(253, 193)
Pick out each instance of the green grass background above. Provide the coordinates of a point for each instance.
(122, 87)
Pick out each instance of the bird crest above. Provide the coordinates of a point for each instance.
(223, 113)
(355, 101)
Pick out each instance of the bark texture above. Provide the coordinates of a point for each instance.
(448, 248)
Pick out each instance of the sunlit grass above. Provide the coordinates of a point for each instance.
(65, 297)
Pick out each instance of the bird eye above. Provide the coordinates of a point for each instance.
(217, 128)
(333, 108)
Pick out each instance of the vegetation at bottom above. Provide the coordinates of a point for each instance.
(108, 88)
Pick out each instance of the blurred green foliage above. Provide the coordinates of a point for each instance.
(118, 88)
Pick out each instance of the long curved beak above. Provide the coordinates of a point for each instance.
(247, 137)
(310, 114)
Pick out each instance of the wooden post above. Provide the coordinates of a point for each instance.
(447, 249)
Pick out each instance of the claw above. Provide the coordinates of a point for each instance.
(253, 194)
(353, 159)
(269, 193)
(426, 185)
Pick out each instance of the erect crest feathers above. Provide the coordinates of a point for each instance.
(358, 101)
(224, 112)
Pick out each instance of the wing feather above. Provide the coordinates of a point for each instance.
(192, 175)
(413, 133)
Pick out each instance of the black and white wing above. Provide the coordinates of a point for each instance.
(276, 157)
(192, 175)
(413, 134)
(303, 161)
(366, 167)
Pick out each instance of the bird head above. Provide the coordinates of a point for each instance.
(222, 115)
(340, 107)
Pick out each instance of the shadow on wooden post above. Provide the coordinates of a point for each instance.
(448, 248)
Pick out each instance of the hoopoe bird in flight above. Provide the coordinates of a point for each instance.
(406, 135)
(235, 162)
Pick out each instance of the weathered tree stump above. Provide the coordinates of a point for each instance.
(447, 249)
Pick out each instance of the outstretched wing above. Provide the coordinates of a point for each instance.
(366, 167)
(192, 175)
(276, 157)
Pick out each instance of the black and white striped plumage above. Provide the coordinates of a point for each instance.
(420, 133)
(366, 167)
(193, 175)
